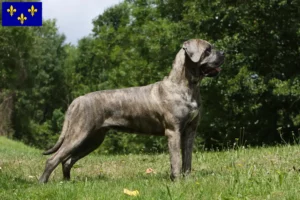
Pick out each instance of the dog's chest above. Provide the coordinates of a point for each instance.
(193, 108)
(190, 101)
(193, 112)
(186, 108)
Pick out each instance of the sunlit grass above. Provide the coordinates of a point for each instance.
(258, 173)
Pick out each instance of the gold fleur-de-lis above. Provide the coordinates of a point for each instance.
(32, 10)
(22, 18)
(11, 10)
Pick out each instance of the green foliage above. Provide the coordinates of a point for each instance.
(261, 39)
(46, 89)
(32, 70)
(123, 143)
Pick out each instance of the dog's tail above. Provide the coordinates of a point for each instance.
(60, 139)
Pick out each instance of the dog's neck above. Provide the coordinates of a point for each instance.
(184, 71)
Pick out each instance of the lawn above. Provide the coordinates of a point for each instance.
(255, 173)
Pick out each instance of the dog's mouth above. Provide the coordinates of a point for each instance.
(208, 71)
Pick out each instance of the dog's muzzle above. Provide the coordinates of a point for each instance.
(213, 66)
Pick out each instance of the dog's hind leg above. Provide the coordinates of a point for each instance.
(70, 144)
(89, 145)
(52, 163)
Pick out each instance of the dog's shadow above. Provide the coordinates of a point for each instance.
(99, 177)
(164, 176)
(204, 172)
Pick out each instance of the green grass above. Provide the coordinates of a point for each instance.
(258, 173)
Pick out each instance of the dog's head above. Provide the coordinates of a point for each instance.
(204, 56)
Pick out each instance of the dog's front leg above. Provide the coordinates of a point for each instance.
(187, 149)
(174, 149)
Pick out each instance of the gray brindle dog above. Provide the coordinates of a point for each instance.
(167, 108)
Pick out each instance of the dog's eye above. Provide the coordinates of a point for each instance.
(207, 52)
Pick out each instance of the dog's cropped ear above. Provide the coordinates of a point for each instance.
(194, 49)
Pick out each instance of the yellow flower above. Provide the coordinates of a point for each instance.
(131, 193)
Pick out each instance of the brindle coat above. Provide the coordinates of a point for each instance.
(169, 107)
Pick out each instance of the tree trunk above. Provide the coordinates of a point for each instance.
(6, 108)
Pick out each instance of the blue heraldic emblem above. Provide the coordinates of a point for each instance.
(22, 14)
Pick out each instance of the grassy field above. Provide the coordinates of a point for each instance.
(259, 173)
